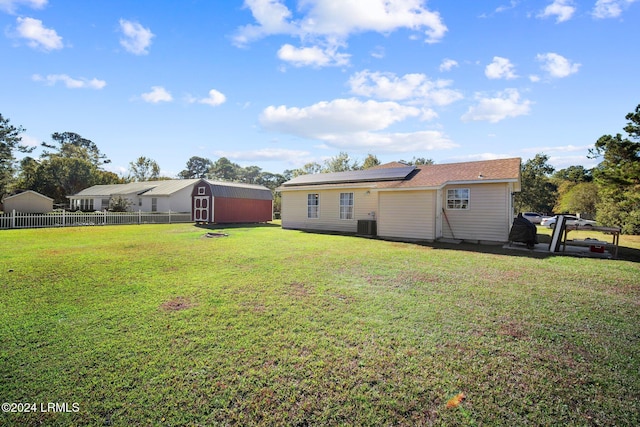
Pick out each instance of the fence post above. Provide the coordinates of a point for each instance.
(64, 224)
(169, 216)
(13, 219)
(139, 216)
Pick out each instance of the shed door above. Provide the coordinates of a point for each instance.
(201, 208)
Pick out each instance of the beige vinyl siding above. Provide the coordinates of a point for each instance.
(294, 209)
(407, 214)
(487, 218)
(28, 202)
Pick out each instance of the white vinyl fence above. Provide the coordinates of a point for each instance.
(77, 219)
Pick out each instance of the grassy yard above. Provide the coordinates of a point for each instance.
(160, 325)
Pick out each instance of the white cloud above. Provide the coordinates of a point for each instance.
(506, 104)
(325, 25)
(503, 8)
(557, 66)
(157, 94)
(534, 78)
(397, 142)
(312, 56)
(448, 64)
(415, 86)
(378, 52)
(350, 123)
(137, 39)
(500, 68)
(339, 115)
(563, 10)
(70, 82)
(340, 18)
(29, 141)
(37, 35)
(10, 6)
(214, 99)
(272, 18)
(610, 8)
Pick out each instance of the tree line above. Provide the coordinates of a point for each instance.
(610, 192)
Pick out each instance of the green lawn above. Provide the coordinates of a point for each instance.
(160, 325)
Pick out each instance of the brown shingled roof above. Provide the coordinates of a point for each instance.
(438, 175)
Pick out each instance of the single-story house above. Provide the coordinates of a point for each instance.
(230, 202)
(470, 201)
(28, 202)
(148, 196)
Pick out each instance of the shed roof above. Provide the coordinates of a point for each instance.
(25, 193)
(237, 190)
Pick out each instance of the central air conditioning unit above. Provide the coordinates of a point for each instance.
(367, 227)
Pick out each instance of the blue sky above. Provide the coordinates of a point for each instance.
(278, 84)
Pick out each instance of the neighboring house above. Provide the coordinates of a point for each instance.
(148, 196)
(471, 201)
(28, 202)
(230, 202)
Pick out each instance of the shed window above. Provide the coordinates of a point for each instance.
(346, 205)
(313, 205)
(458, 198)
(201, 191)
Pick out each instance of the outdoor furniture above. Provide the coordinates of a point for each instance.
(614, 231)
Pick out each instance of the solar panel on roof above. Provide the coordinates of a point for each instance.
(367, 175)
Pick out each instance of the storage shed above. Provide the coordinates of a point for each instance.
(28, 202)
(230, 202)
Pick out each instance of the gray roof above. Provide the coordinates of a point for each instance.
(236, 190)
(367, 175)
(153, 188)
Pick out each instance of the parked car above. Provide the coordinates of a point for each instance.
(571, 220)
(533, 217)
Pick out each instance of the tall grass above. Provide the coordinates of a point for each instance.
(161, 325)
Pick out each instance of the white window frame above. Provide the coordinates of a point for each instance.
(154, 204)
(346, 209)
(458, 198)
(313, 209)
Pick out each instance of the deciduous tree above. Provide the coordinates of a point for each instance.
(144, 169)
(538, 193)
(618, 176)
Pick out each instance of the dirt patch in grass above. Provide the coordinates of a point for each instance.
(177, 304)
(514, 330)
(298, 290)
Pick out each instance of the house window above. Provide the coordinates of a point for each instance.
(104, 203)
(346, 205)
(154, 204)
(458, 198)
(313, 205)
